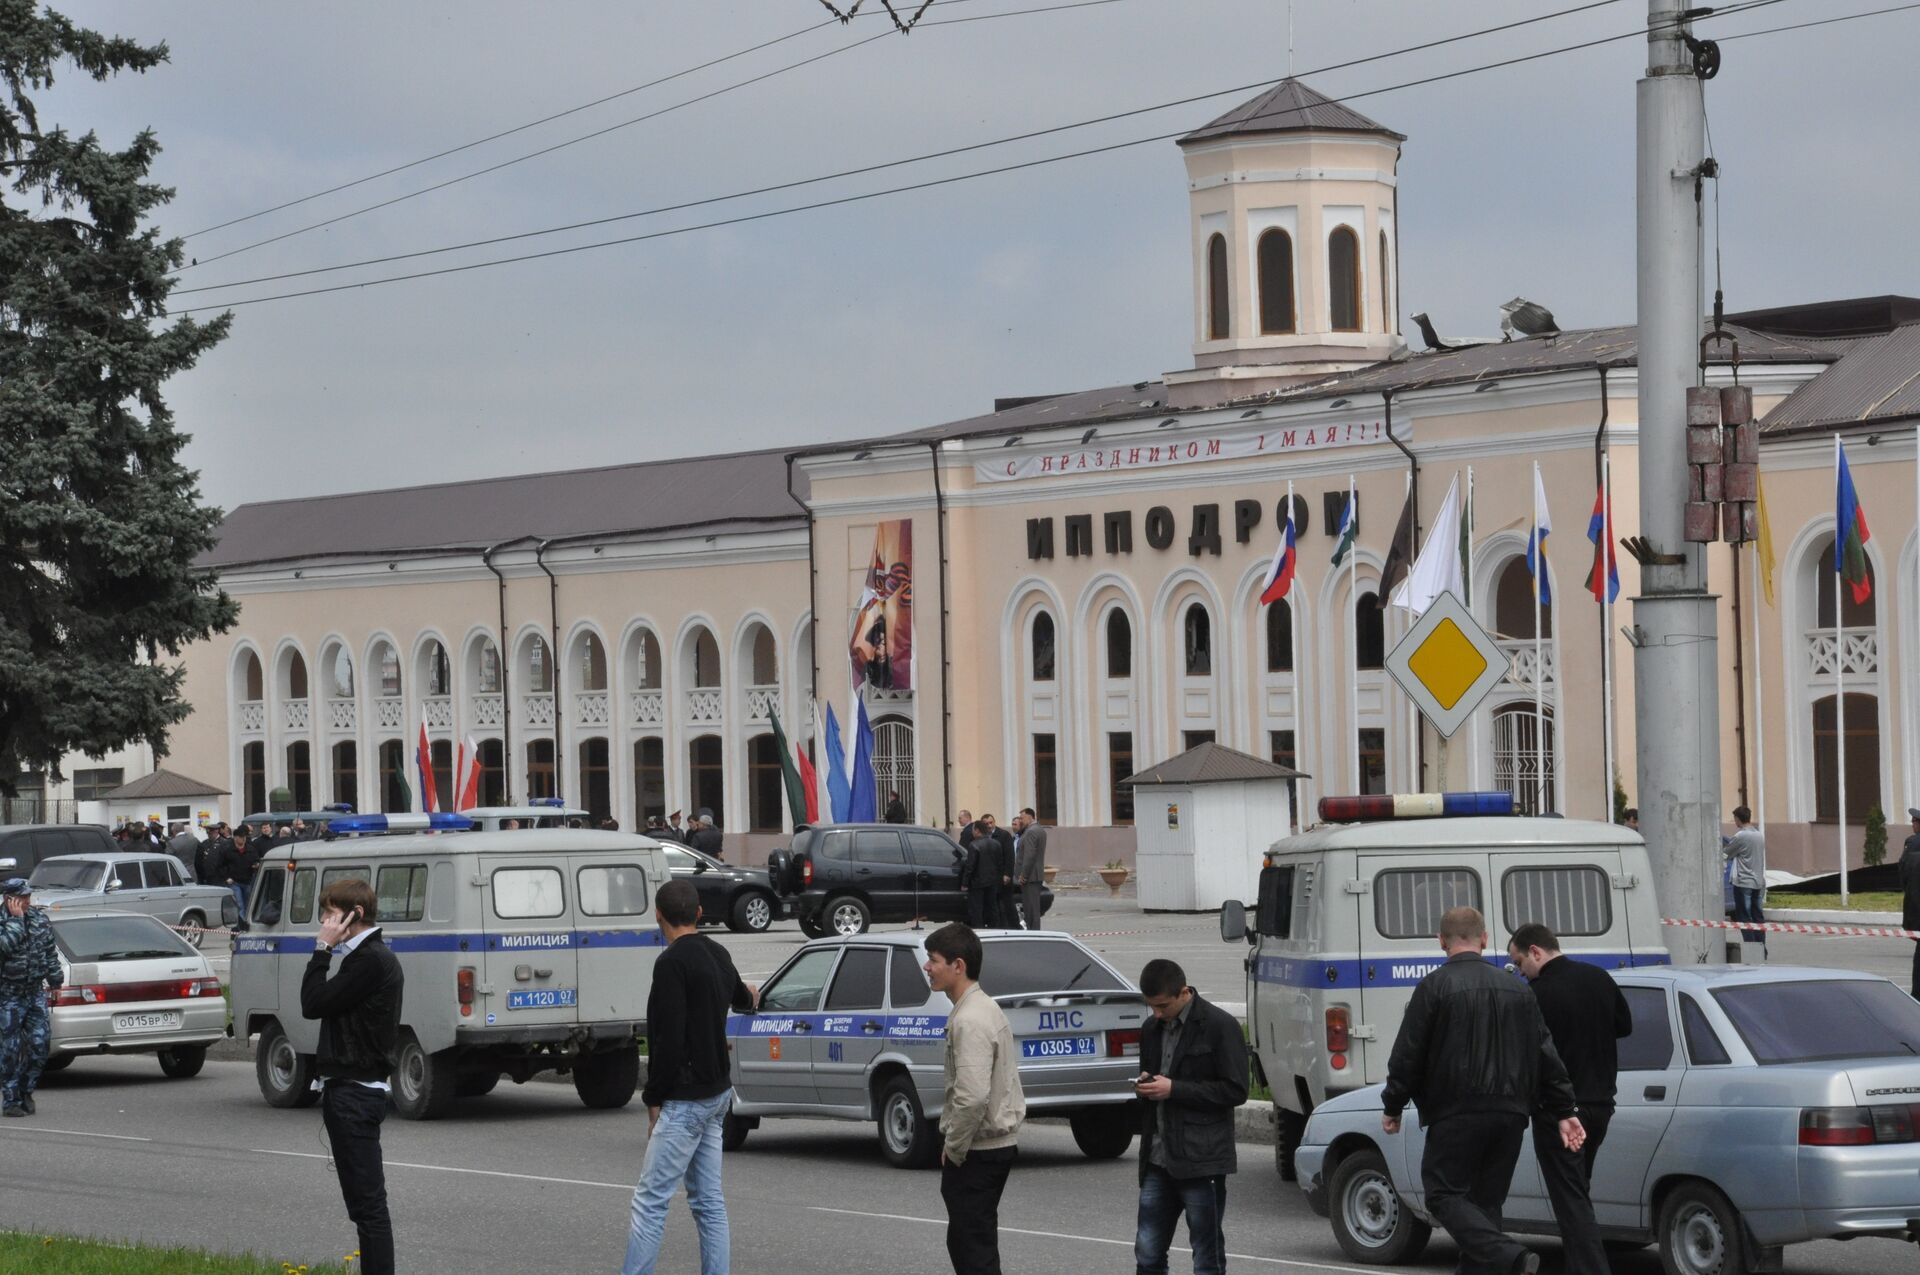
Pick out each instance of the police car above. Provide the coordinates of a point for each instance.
(1347, 915)
(849, 1029)
(524, 951)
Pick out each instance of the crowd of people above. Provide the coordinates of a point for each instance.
(1002, 870)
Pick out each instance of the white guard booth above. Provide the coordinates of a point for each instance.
(1201, 821)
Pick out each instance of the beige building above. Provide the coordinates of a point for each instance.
(1086, 569)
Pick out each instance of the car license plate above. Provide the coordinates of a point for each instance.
(544, 998)
(1058, 1047)
(145, 1022)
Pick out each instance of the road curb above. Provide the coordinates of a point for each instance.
(241, 1050)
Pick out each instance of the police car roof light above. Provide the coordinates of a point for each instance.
(1423, 805)
(437, 822)
(546, 801)
(340, 807)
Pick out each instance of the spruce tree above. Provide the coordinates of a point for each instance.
(99, 521)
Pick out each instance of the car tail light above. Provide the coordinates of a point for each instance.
(72, 995)
(117, 993)
(1338, 1037)
(1124, 1043)
(464, 982)
(1858, 1126)
(806, 872)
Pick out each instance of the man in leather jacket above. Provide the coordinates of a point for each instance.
(1475, 1055)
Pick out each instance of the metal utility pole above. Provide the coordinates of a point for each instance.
(1676, 664)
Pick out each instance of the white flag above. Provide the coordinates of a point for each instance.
(1437, 569)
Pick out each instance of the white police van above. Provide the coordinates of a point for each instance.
(524, 951)
(1348, 914)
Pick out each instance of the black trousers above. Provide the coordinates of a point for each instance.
(983, 906)
(972, 1192)
(1916, 968)
(352, 1114)
(1466, 1169)
(1568, 1176)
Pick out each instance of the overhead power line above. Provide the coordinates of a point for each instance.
(897, 163)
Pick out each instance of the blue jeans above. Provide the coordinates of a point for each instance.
(1746, 907)
(1163, 1198)
(685, 1146)
(239, 889)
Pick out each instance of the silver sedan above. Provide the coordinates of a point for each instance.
(1757, 1107)
(148, 883)
(132, 986)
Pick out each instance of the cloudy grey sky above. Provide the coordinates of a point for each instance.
(905, 311)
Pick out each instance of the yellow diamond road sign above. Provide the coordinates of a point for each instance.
(1447, 664)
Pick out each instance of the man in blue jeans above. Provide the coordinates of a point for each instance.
(1193, 1073)
(688, 1091)
(1746, 852)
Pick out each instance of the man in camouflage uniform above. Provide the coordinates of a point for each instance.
(29, 965)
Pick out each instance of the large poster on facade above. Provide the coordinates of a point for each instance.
(882, 642)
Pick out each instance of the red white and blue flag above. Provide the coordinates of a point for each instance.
(423, 758)
(1280, 577)
(1603, 581)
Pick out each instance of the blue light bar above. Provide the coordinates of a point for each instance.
(438, 822)
(1477, 803)
(1420, 805)
(546, 801)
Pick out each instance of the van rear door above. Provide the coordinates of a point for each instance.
(617, 941)
(1571, 891)
(1401, 900)
(529, 972)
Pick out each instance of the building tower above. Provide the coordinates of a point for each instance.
(1295, 261)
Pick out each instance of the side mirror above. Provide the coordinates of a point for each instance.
(113, 883)
(9, 863)
(1233, 921)
(699, 866)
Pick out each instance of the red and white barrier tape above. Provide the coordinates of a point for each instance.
(1800, 927)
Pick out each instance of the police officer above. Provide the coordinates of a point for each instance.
(29, 964)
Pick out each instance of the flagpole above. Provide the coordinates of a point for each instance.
(1606, 622)
(1539, 669)
(1353, 647)
(1759, 703)
(1413, 709)
(1466, 574)
(1840, 675)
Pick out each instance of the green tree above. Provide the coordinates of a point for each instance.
(1875, 849)
(99, 521)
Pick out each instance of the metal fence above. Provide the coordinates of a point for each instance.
(34, 808)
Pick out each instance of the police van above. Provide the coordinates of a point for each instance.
(524, 951)
(1347, 917)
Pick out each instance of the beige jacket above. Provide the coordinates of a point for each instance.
(984, 1105)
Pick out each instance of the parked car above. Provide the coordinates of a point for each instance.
(148, 883)
(23, 846)
(132, 986)
(1758, 1107)
(742, 899)
(849, 1029)
(843, 877)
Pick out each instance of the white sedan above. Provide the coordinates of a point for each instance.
(133, 986)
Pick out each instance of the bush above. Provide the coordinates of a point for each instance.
(1876, 844)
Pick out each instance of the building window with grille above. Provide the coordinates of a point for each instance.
(1119, 766)
(92, 785)
(1119, 645)
(539, 667)
(439, 671)
(1280, 637)
(493, 772)
(1373, 761)
(1197, 640)
(488, 678)
(893, 762)
(1523, 761)
(395, 797)
(540, 779)
(1042, 647)
(346, 773)
(649, 779)
(764, 784)
(253, 777)
(387, 660)
(1863, 757)
(1513, 602)
(440, 759)
(1219, 325)
(1369, 633)
(1276, 282)
(300, 773)
(596, 779)
(707, 775)
(1046, 781)
(1343, 279)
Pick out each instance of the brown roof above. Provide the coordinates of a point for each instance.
(1212, 763)
(1877, 381)
(163, 783)
(1290, 107)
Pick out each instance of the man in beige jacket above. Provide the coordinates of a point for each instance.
(980, 1117)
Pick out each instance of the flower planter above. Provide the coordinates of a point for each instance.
(1052, 872)
(1115, 878)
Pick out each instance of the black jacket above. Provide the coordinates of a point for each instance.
(358, 1009)
(1586, 1016)
(707, 841)
(996, 858)
(206, 860)
(1910, 883)
(1473, 1040)
(236, 862)
(693, 984)
(1209, 1075)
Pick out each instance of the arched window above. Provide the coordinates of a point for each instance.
(254, 680)
(649, 779)
(253, 777)
(540, 782)
(1280, 637)
(540, 670)
(493, 773)
(646, 654)
(764, 784)
(1343, 279)
(387, 661)
(342, 673)
(1522, 743)
(1276, 282)
(1863, 755)
(1119, 646)
(1386, 288)
(296, 679)
(395, 797)
(593, 669)
(706, 661)
(1197, 631)
(705, 773)
(439, 672)
(596, 780)
(1043, 647)
(1369, 632)
(1219, 322)
(766, 660)
(486, 673)
(893, 765)
(1513, 603)
(346, 773)
(300, 773)
(440, 758)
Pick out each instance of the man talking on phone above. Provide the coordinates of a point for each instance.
(359, 1012)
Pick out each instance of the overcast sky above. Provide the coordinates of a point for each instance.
(899, 312)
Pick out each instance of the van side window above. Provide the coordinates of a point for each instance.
(1409, 902)
(861, 980)
(798, 989)
(329, 875)
(1649, 1047)
(1703, 1043)
(400, 892)
(267, 888)
(304, 883)
(616, 889)
(528, 893)
(1275, 919)
(1570, 901)
(910, 990)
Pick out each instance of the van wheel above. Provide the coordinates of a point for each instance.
(58, 1062)
(193, 928)
(847, 916)
(1101, 1133)
(476, 1084)
(286, 1077)
(424, 1084)
(1700, 1233)
(183, 1062)
(1287, 1128)
(734, 1130)
(910, 1140)
(752, 913)
(606, 1081)
(1370, 1221)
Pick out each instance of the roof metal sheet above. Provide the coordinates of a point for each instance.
(1212, 763)
(1290, 107)
(163, 783)
(1877, 380)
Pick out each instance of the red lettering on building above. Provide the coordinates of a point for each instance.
(1213, 446)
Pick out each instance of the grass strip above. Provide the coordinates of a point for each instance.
(64, 1255)
(1869, 901)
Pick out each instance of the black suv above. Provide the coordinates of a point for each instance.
(22, 846)
(842, 877)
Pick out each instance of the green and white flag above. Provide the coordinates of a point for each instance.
(1349, 527)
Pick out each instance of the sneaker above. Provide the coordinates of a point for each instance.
(13, 1109)
(27, 1102)
(1528, 1264)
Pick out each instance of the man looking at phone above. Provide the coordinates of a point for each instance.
(1193, 1073)
(359, 1012)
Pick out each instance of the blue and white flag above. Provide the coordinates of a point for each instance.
(864, 804)
(1537, 541)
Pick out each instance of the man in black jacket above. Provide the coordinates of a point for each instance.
(1193, 1073)
(688, 1090)
(1910, 890)
(1586, 1015)
(981, 871)
(238, 858)
(359, 1013)
(1474, 1054)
